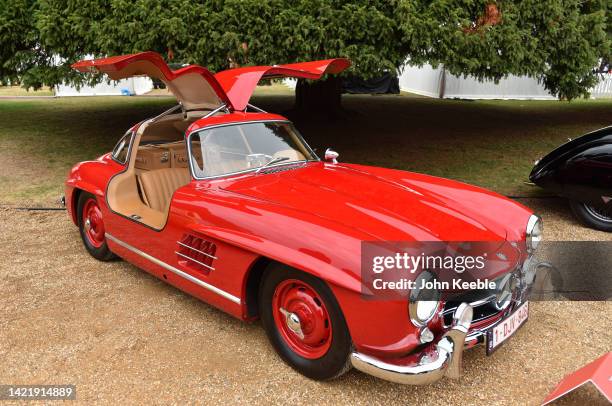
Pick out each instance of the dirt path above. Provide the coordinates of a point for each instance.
(123, 336)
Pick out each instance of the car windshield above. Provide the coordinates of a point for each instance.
(242, 147)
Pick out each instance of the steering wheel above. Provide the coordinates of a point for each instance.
(257, 160)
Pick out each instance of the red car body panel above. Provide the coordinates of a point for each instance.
(234, 118)
(240, 83)
(313, 218)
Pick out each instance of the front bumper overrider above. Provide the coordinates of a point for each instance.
(446, 359)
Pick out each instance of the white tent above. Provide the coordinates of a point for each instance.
(436, 82)
(134, 86)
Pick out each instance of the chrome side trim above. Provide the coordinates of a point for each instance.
(174, 270)
(194, 260)
(196, 250)
(129, 153)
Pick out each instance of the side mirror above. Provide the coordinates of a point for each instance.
(331, 156)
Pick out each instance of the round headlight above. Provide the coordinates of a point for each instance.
(534, 232)
(423, 302)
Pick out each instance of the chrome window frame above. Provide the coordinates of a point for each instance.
(191, 164)
(129, 151)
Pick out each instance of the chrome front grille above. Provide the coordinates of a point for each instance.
(483, 301)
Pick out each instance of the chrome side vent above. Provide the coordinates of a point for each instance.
(196, 253)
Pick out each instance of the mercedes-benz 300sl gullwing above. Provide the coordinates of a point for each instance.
(228, 203)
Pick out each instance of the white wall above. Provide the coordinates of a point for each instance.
(604, 88)
(137, 85)
(512, 87)
(427, 81)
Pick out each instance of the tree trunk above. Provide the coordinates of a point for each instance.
(319, 97)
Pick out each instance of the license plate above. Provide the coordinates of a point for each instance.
(504, 330)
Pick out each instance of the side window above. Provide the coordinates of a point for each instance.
(219, 151)
(120, 152)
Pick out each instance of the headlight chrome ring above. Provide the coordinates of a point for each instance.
(534, 233)
(423, 303)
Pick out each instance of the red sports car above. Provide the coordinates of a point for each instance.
(228, 203)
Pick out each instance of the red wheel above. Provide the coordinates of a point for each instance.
(92, 222)
(302, 318)
(304, 322)
(91, 226)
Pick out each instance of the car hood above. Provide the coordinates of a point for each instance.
(415, 207)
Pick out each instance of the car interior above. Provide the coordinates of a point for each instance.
(158, 162)
(158, 167)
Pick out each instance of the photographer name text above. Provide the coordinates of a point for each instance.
(455, 284)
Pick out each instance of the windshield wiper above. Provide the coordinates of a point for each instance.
(272, 161)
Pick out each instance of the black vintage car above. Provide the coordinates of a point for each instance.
(581, 170)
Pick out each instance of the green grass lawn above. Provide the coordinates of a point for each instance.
(488, 143)
(19, 91)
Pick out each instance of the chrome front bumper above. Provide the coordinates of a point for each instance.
(446, 362)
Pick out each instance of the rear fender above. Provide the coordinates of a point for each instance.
(91, 177)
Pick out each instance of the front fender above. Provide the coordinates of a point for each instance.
(580, 169)
(320, 247)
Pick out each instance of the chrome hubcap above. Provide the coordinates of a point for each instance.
(87, 224)
(293, 322)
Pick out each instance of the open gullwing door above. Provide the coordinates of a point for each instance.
(240, 83)
(194, 86)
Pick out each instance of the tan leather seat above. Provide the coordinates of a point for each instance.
(159, 185)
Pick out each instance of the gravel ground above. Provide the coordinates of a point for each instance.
(123, 336)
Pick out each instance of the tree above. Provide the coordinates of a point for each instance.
(558, 41)
(212, 34)
(17, 39)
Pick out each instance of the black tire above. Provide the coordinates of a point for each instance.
(101, 253)
(335, 361)
(598, 218)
